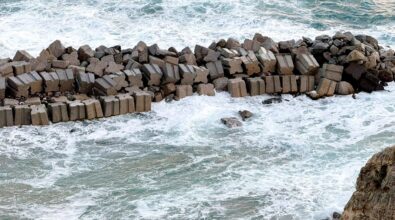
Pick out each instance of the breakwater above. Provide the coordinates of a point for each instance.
(66, 84)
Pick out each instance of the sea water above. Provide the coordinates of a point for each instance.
(298, 159)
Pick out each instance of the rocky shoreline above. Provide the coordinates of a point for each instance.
(67, 84)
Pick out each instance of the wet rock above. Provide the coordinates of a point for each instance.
(245, 114)
(272, 101)
(375, 189)
(336, 216)
(231, 122)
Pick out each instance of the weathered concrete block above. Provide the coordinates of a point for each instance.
(96, 66)
(332, 72)
(171, 60)
(120, 80)
(228, 53)
(39, 115)
(232, 66)
(36, 83)
(237, 87)
(71, 58)
(277, 84)
(251, 63)
(152, 74)
(2, 87)
(256, 86)
(143, 101)
(201, 74)
(171, 73)
(252, 45)
(76, 110)
(58, 112)
(267, 59)
(85, 82)
(18, 86)
(294, 84)
(126, 104)
(286, 84)
(20, 67)
(22, 115)
(183, 91)
(85, 52)
(155, 60)
(6, 70)
(22, 55)
(215, 69)
(221, 84)
(323, 87)
(206, 89)
(93, 109)
(110, 105)
(56, 49)
(188, 74)
(62, 64)
(51, 81)
(6, 116)
(285, 64)
(269, 84)
(306, 64)
(10, 102)
(332, 88)
(188, 59)
(105, 86)
(66, 80)
(134, 77)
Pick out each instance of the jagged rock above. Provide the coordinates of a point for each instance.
(375, 191)
(245, 114)
(231, 122)
(272, 101)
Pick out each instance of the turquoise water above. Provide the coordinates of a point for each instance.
(294, 160)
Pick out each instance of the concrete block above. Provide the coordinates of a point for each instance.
(105, 86)
(237, 87)
(18, 86)
(58, 112)
(6, 116)
(171, 73)
(251, 63)
(120, 80)
(285, 64)
(39, 115)
(221, 84)
(183, 91)
(228, 53)
(215, 69)
(155, 60)
(188, 74)
(33, 101)
(294, 84)
(306, 64)
(267, 59)
(126, 104)
(10, 102)
(143, 101)
(66, 80)
(2, 87)
(252, 45)
(20, 67)
(256, 86)
(62, 64)
(22, 115)
(201, 74)
(269, 84)
(51, 81)
(323, 87)
(36, 83)
(286, 84)
(206, 89)
(76, 110)
(332, 72)
(110, 106)
(344, 88)
(277, 84)
(332, 88)
(134, 77)
(152, 74)
(232, 66)
(93, 109)
(188, 58)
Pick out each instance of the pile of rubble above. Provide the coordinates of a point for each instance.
(342, 64)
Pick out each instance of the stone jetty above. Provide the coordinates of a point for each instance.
(68, 84)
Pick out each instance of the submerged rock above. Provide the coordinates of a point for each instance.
(272, 100)
(375, 195)
(245, 114)
(231, 122)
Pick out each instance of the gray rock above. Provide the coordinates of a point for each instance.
(272, 101)
(319, 47)
(231, 122)
(245, 114)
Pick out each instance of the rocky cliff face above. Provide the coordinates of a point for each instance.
(375, 194)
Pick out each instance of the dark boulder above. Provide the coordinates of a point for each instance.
(245, 114)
